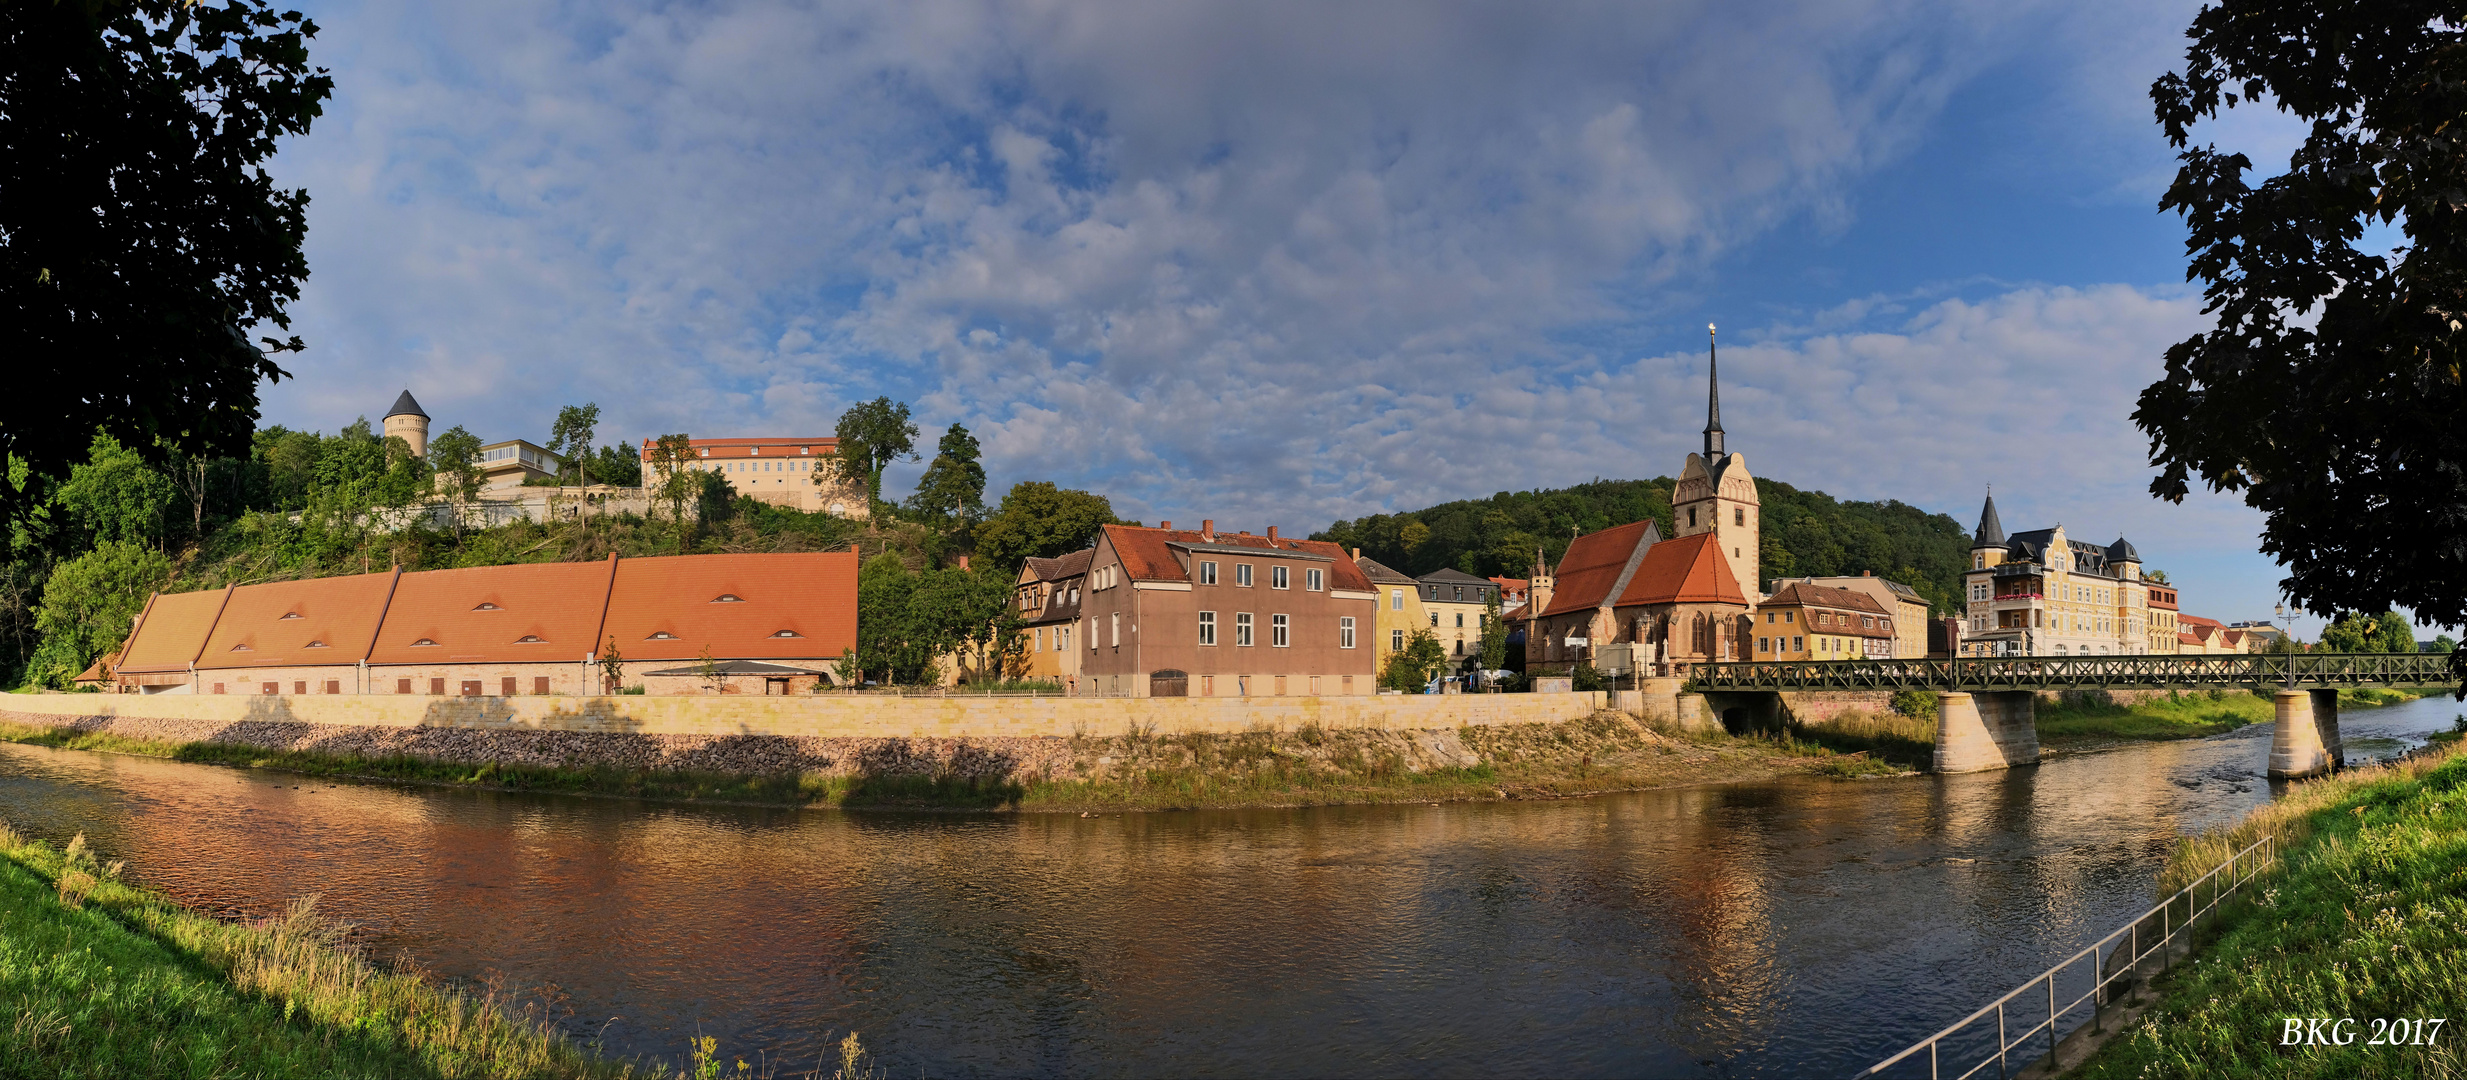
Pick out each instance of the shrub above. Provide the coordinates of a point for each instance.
(1915, 704)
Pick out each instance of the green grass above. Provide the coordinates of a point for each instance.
(2188, 715)
(2366, 917)
(103, 980)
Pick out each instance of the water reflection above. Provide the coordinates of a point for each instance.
(1761, 929)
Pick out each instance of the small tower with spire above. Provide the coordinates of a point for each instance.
(406, 420)
(1716, 494)
(1539, 584)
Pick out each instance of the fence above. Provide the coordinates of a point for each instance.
(2308, 671)
(2105, 970)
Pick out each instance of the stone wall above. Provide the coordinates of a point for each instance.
(816, 716)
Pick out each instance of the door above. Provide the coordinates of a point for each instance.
(1169, 683)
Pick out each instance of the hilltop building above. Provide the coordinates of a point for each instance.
(1198, 613)
(407, 422)
(2042, 593)
(780, 470)
(768, 624)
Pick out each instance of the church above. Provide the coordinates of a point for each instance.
(1627, 598)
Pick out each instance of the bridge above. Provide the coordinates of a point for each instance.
(1987, 705)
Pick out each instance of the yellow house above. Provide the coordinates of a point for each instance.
(1801, 621)
(1457, 604)
(1908, 610)
(2042, 593)
(1400, 609)
(1048, 598)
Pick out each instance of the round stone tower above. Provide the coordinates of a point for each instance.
(410, 423)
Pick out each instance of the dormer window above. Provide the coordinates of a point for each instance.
(486, 605)
(242, 647)
(316, 645)
(787, 634)
(424, 643)
(662, 635)
(728, 598)
(529, 639)
(289, 615)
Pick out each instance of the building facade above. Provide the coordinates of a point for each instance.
(1902, 602)
(1198, 613)
(532, 628)
(1400, 612)
(782, 471)
(1716, 494)
(1049, 591)
(2042, 593)
(1624, 598)
(2162, 630)
(1457, 605)
(1805, 621)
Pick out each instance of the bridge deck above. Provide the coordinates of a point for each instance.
(2303, 671)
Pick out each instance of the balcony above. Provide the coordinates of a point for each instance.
(2020, 596)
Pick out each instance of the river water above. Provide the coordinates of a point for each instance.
(1765, 929)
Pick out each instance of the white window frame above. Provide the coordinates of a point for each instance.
(1344, 631)
(1207, 571)
(1242, 630)
(1242, 575)
(1207, 628)
(1396, 599)
(1396, 641)
(1280, 577)
(1280, 631)
(1117, 629)
(1314, 580)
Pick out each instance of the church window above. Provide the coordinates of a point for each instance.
(1691, 517)
(1738, 516)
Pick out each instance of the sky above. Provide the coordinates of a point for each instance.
(1282, 263)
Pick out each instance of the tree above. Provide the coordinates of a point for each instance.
(1413, 667)
(954, 484)
(673, 478)
(2392, 634)
(2349, 633)
(570, 439)
(1038, 519)
(2445, 643)
(2158, 576)
(88, 605)
(871, 436)
(2330, 390)
(456, 457)
(1494, 653)
(140, 235)
(612, 667)
(115, 495)
(621, 468)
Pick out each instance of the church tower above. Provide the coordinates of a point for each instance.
(1539, 585)
(1716, 494)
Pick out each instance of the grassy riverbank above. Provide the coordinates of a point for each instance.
(2365, 918)
(1265, 766)
(2188, 715)
(102, 979)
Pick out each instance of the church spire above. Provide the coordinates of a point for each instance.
(1990, 533)
(1713, 400)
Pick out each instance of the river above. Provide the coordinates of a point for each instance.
(1763, 929)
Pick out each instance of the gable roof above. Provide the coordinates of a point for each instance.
(1688, 570)
(1593, 565)
(1038, 568)
(1801, 593)
(1379, 572)
(486, 613)
(312, 622)
(810, 594)
(172, 631)
(1147, 554)
(1451, 576)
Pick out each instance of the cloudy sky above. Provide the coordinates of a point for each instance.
(1282, 263)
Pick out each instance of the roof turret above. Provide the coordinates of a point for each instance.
(404, 406)
(2122, 551)
(1991, 531)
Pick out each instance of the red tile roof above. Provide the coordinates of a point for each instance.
(316, 621)
(1146, 556)
(483, 614)
(812, 595)
(776, 447)
(1688, 570)
(1800, 593)
(1592, 566)
(172, 631)
(1058, 568)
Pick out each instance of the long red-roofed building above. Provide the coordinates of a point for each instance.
(1199, 613)
(774, 623)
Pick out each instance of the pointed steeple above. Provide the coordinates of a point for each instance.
(1713, 397)
(1991, 530)
(404, 406)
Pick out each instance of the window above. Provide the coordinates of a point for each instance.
(1790, 616)
(401, 686)
(1764, 644)
(1396, 599)
(1207, 628)
(1396, 640)
(1691, 517)
(436, 687)
(1092, 633)
(1460, 620)
(1315, 580)
(1771, 616)
(1280, 577)
(1117, 629)
(1738, 516)
(1062, 638)
(1434, 620)
(1868, 621)
(1242, 574)
(1279, 634)
(1796, 645)
(334, 686)
(1207, 571)
(1344, 632)
(507, 687)
(1242, 629)
(1460, 592)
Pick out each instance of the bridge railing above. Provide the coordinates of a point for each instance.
(2315, 671)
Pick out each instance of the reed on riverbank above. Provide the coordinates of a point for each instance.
(104, 979)
(2364, 918)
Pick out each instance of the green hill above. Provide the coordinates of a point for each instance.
(1805, 532)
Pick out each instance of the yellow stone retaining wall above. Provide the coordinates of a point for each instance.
(829, 715)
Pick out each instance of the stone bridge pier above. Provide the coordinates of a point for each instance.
(2305, 740)
(1979, 732)
(1740, 712)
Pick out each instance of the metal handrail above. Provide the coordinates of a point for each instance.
(2238, 874)
(2157, 670)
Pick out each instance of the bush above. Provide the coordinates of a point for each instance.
(1915, 704)
(1589, 678)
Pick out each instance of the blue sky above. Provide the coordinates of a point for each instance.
(1280, 263)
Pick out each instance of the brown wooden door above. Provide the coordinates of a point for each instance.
(1169, 683)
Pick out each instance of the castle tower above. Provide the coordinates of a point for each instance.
(1716, 494)
(406, 420)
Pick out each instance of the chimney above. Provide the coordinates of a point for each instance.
(963, 562)
(1867, 573)
(1207, 530)
(1357, 554)
(1167, 524)
(855, 550)
(1271, 534)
